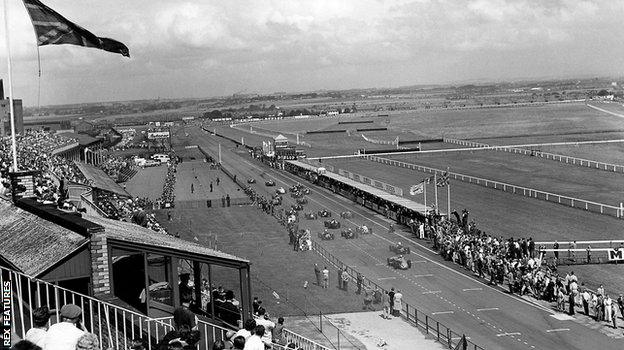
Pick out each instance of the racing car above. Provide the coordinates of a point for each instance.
(276, 200)
(294, 188)
(302, 201)
(363, 230)
(332, 224)
(346, 215)
(297, 194)
(348, 233)
(399, 262)
(269, 183)
(280, 190)
(251, 180)
(297, 207)
(292, 211)
(305, 190)
(311, 216)
(325, 213)
(326, 235)
(399, 248)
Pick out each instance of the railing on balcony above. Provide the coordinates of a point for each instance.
(114, 326)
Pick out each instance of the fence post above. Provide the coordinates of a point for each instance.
(438, 329)
(321, 320)
(338, 332)
(427, 323)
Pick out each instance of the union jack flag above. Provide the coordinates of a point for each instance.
(53, 29)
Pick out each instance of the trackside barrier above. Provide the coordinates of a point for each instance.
(114, 326)
(440, 332)
(578, 203)
(586, 163)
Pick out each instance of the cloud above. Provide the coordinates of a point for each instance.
(217, 46)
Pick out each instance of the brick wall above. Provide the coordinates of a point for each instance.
(100, 275)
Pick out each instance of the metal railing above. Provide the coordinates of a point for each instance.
(586, 163)
(506, 187)
(114, 326)
(430, 326)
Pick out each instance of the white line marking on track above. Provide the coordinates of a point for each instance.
(386, 278)
(425, 275)
(507, 334)
(418, 261)
(488, 309)
(471, 289)
(442, 312)
(557, 330)
(433, 292)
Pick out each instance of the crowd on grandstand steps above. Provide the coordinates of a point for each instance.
(34, 150)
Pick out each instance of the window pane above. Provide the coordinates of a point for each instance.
(158, 274)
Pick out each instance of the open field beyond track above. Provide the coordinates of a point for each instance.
(533, 172)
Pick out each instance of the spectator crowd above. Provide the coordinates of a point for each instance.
(35, 152)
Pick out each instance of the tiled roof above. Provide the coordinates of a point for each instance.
(32, 244)
(133, 233)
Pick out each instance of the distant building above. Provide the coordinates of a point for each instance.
(5, 116)
(280, 141)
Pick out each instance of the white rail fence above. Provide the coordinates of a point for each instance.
(578, 203)
(586, 163)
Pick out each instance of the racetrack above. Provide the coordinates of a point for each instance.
(491, 318)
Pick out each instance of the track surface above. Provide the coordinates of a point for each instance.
(491, 318)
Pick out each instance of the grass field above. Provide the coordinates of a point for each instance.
(148, 182)
(199, 174)
(533, 172)
(497, 122)
(496, 212)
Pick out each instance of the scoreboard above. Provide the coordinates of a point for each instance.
(23, 184)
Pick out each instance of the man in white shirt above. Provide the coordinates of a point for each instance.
(65, 334)
(255, 341)
(37, 334)
(247, 330)
(263, 320)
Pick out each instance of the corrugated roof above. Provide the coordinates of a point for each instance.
(83, 139)
(32, 244)
(101, 180)
(407, 203)
(132, 233)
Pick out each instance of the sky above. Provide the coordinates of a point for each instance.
(204, 48)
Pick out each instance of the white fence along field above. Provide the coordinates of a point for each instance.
(506, 187)
(587, 163)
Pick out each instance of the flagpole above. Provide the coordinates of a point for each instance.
(435, 188)
(448, 192)
(425, 194)
(11, 108)
(448, 199)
